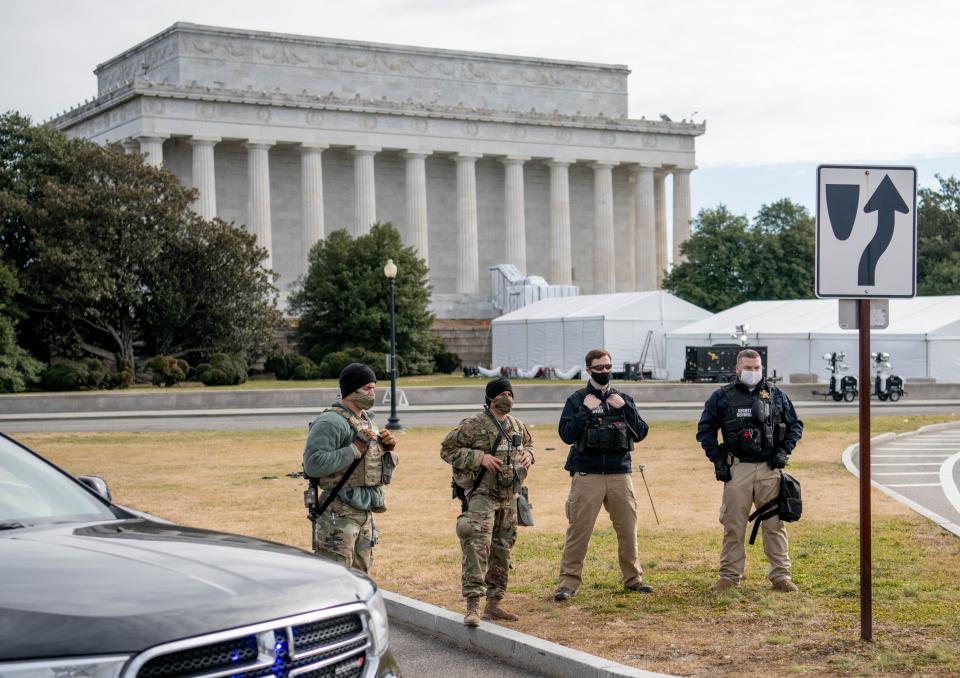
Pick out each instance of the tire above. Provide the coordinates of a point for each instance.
(895, 396)
(838, 397)
(849, 396)
(882, 396)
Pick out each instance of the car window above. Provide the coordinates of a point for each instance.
(33, 492)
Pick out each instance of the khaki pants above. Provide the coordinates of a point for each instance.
(751, 485)
(588, 492)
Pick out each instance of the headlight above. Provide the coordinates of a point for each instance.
(93, 667)
(379, 627)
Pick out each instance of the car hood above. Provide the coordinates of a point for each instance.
(122, 586)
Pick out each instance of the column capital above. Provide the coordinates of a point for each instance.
(471, 157)
(514, 159)
(603, 164)
(130, 145)
(415, 154)
(204, 141)
(151, 136)
(313, 146)
(255, 144)
(365, 150)
(683, 170)
(559, 162)
(640, 168)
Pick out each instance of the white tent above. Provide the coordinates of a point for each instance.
(923, 338)
(558, 332)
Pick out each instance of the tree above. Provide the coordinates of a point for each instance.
(18, 369)
(111, 253)
(343, 299)
(730, 260)
(938, 239)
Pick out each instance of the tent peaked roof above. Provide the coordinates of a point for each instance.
(655, 304)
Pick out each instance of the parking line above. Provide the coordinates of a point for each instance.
(910, 463)
(909, 473)
(915, 485)
(909, 456)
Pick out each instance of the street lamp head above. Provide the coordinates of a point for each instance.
(390, 270)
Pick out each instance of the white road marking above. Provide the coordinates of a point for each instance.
(909, 473)
(909, 456)
(949, 485)
(914, 485)
(909, 463)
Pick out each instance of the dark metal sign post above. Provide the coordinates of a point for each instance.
(866, 555)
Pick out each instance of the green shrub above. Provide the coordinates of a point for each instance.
(75, 375)
(332, 364)
(447, 362)
(292, 366)
(223, 370)
(167, 370)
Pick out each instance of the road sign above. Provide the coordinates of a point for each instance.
(866, 231)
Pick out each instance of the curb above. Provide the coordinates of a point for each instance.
(518, 649)
(847, 457)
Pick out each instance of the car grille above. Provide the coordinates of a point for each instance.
(327, 644)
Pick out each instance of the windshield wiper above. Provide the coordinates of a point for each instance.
(11, 526)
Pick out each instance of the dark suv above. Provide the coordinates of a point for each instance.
(91, 589)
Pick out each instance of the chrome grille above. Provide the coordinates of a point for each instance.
(326, 644)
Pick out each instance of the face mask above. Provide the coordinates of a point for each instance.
(502, 404)
(602, 378)
(750, 377)
(363, 402)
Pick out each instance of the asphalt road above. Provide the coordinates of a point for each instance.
(420, 654)
(925, 470)
(409, 418)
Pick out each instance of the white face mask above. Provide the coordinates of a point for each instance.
(750, 377)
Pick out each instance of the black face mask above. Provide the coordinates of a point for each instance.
(602, 378)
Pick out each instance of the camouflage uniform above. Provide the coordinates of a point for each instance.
(488, 528)
(346, 532)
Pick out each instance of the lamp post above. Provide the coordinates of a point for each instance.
(393, 423)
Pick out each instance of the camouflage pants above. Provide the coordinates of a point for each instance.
(346, 535)
(487, 531)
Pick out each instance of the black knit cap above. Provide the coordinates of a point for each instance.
(497, 386)
(354, 376)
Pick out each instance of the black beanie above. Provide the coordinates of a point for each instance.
(354, 376)
(497, 386)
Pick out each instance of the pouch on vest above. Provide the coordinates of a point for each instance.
(389, 461)
(787, 505)
(524, 508)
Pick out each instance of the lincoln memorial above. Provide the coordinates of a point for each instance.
(477, 159)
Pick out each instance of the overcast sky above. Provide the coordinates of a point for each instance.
(783, 86)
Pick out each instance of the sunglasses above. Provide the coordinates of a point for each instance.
(601, 368)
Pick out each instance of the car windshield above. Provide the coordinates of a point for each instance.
(32, 492)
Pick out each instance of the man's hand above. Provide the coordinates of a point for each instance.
(779, 460)
(491, 463)
(722, 471)
(615, 401)
(526, 460)
(387, 440)
(591, 402)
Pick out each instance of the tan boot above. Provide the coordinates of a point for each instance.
(492, 610)
(785, 585)
(723, 585)
(472, 617)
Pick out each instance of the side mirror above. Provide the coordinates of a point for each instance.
(97, 484)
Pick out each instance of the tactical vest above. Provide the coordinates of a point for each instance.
(371, 469)
(752, 424)
(511, 471)
(606, 432)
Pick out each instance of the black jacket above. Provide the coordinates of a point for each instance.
(711, 421)
(573, 423)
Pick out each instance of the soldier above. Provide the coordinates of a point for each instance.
(760, 429)
(601, 426)
(343, 441)
(490, 453)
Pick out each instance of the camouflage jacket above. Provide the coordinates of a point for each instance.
(464, 446)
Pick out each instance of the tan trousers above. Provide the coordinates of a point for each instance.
(588, 492)
(752, 485)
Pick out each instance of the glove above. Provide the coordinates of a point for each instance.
(779, 460)
(722, 471)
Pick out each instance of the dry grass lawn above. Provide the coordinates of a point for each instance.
(237, 482)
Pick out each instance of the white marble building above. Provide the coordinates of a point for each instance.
(478, 159)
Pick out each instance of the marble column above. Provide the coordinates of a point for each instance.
(311, 199)
(513, 208)
(204, 176)
(364, 189)
(681, 211)
(604, 249)
(258, 196)
(416, 181)
(151, 147)
(646, 252)
(130, 146)
(660, 222)
(561, 264)
(468, 248)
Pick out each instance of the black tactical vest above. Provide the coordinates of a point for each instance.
(752, 424)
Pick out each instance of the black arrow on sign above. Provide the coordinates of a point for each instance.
(885, 201)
